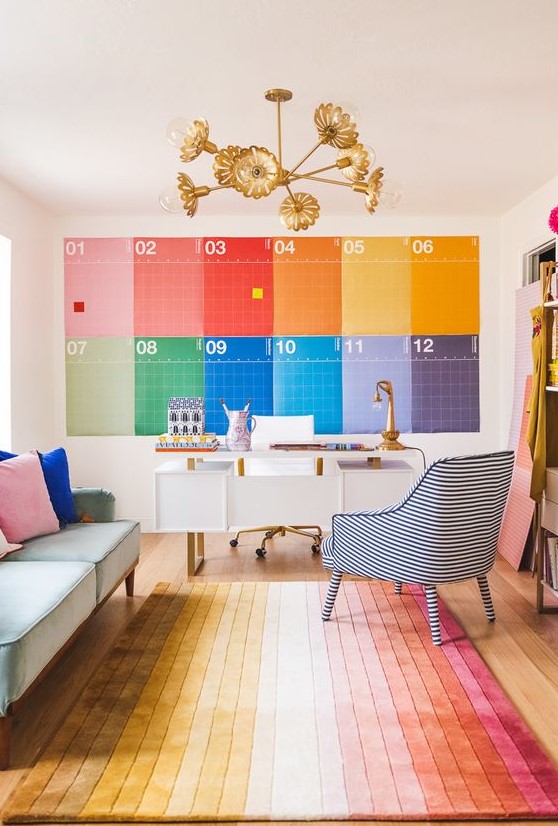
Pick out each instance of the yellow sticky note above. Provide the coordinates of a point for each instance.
(257, 292)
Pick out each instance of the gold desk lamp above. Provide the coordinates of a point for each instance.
(390, 434)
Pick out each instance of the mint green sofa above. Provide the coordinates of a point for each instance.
(51, 587)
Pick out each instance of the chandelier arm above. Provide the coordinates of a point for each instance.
(316, 171)
(223, 186)
(279, 147)
(290, 172)
(311, 177)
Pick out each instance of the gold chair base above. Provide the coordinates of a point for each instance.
(270, 531)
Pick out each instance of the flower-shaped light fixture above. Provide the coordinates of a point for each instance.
(299, 211)
(256, 172)
(189, 194)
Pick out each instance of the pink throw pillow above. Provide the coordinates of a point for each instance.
(25, 507)
(7, 547)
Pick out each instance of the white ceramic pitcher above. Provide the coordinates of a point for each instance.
(241, 426)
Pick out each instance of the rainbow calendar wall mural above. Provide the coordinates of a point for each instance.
(305, 325)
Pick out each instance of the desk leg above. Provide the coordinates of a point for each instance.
(194, 552)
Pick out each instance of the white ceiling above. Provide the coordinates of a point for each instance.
(458, 97)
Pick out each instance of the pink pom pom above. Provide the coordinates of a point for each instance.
(553, 220)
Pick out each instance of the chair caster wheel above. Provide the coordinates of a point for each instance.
(261, 552)
(315, 549)
(233, 543)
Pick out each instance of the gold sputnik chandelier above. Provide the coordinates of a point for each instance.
(256, 172)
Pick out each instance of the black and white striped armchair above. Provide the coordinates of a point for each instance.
(445, 529)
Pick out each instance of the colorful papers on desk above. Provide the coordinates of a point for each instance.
(319, 446)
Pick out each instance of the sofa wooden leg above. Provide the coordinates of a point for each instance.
(130, 583)
(5, 737)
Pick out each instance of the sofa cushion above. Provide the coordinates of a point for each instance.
(113, 547)
(25, 507)
(40, 608)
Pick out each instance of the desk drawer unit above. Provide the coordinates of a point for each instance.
(283, 500)
(368, 488)
(191, 500)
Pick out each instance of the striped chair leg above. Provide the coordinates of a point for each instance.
(433, 616)
(486, 597)
(334, 583)
(397, 586)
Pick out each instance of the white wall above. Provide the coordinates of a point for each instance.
(5, 340)
(125, 463)
(34, 334)
(523, 228)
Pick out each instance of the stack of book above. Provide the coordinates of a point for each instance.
(205, 442)
(346, 446)
(318, 446)
(550, 562)
(553, 373)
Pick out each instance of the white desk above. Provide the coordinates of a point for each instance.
(197, 492)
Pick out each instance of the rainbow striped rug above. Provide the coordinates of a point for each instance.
(235, 702)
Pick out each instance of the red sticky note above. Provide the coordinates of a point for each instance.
(79, 306)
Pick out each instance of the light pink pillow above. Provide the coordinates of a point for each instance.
(7, 547)
(25, 507)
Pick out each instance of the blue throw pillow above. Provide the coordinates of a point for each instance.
(57, 478)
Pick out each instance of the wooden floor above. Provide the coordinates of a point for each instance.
(521, 647)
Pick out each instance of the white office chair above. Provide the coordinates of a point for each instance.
(281, 429)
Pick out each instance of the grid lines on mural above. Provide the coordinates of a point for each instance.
(442, 393)
(236, 383)
(100, 399)
(238, 299)
(164, 366)
(100, 386)
(301, 388)
(307, 299)
(216, 317)
(155, 383)
(168, 299)
(359, 385)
